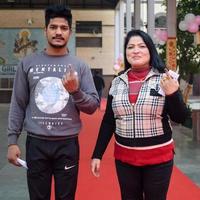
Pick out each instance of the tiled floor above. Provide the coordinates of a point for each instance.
(13, 181)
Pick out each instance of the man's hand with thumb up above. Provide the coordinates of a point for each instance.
(70, 80)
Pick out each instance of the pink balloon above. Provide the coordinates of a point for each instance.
(163, 36)
(158, 33)
(120, 58)
(161, 42)
(116, 67)
(197, 19)
(193, 27)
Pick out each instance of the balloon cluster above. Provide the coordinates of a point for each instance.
(190, 23)
(160, 36)
(119, 63)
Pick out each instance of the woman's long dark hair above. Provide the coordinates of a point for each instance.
(155, 60)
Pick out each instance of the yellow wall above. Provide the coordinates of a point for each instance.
(95, 57)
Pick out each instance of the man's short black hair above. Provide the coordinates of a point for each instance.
(62, 11)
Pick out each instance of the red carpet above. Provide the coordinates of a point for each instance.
(106, 187)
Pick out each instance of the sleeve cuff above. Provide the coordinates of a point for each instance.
(77, 95)
(12, 139)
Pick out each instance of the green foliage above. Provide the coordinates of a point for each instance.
(188, 54)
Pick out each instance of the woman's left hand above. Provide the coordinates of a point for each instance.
(168, 84)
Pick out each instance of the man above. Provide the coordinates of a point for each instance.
(99, 83)
(50, 90)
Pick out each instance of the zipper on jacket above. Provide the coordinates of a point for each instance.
(133, 120)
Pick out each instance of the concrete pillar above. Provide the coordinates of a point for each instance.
(121, 26)
(171, 18)
(116, 33)
(171, 29)
(150, 18)
(128, 16)
(137, 14)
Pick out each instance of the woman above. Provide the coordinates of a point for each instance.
(140, 118)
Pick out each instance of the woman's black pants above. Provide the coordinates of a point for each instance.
(144, 183)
